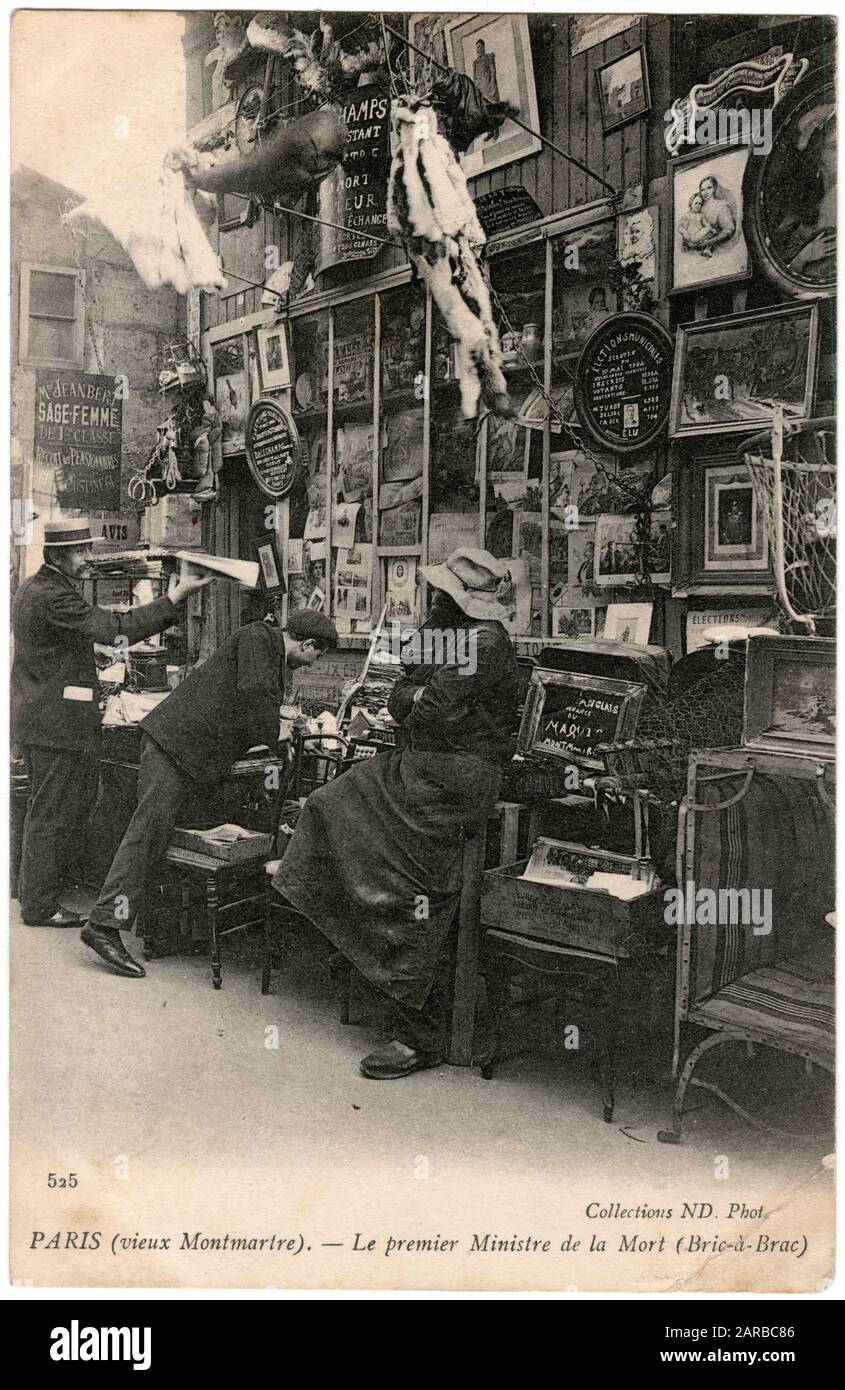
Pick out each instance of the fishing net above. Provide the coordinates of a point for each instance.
(794, 474)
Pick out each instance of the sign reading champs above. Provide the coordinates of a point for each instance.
(78, 425)
(273, 447)
(623, 382)
(354, 197)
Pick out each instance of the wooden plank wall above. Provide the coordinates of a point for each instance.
(570, 115)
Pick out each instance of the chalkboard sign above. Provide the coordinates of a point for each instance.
(623, 382)
(273, 449)
(568, 715)
(506, 208)
(78, 425)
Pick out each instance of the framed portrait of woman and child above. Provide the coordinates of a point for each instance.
(708, 240)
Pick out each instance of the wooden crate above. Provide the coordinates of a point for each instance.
(574, 917)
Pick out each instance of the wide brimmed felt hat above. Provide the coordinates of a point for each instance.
(69, 531)
(481, 585)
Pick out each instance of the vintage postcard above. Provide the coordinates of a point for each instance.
(421, 817)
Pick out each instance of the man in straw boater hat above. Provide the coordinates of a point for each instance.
(375, 860)
(54, 713)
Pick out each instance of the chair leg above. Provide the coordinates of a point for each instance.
(673, 1135)
(211, 903)
(497, 991)
(266, 946)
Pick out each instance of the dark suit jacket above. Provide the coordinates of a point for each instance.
(55, 629)
(227, 705)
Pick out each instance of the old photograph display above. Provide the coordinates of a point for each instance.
(371, 826)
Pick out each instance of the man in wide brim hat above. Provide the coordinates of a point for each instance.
(54, 713)
(482, 586)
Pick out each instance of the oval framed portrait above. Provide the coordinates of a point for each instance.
(790, 194)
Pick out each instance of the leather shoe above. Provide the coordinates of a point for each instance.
(108, 945)
(396, 1060)
(62, 918)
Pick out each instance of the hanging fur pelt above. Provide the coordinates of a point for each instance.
(429, 207)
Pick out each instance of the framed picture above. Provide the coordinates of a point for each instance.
(790, 695)
(707, 218)
(573, 623)
(721, 540)
(588, 30)
(270, 565)
(231, 390)
(730, 373)
(273, 357)
(618, 557)
(568, 715)
(494, 50)
(623, 89)
(791, 192)
(638, 243)
(628, 622)
(427, 32)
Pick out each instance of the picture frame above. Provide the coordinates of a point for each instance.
(707, 218)
(713, 547)
(494, 50)
(230, 384)
(624, 93)
(568, 715)
(730, 373)
(270, 568)
(273, 357)
(790, 695)
(628, 623)
(617, 562)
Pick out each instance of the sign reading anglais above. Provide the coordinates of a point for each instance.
(78, 427)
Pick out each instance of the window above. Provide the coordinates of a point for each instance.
(52, 323)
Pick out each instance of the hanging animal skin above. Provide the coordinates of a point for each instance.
(282, 165)
(429, 207)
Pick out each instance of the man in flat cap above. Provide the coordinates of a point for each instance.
(227, 705)
(54, 714)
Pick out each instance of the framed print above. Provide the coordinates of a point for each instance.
(638, 243)
(569, 715)
(791, 192)
(494, 50)
(707, 218)
(628, 622)
(734, 534)
(720, 541)
(273, 357)
(623, 89)
(730, 373)
(589, 30)
(271, 571)
(790, 695)
(618, 557)
(427, 32)
(573, 623)
(231, 390)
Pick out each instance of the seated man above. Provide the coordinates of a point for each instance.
(227, 705)
(375, 860)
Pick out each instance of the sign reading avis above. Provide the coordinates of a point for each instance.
(78, 424)
(354, 197)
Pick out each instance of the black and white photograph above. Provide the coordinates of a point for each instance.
(422, 629)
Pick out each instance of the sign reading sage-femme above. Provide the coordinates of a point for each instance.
(623, 382)
(78, 424)
(273, 448)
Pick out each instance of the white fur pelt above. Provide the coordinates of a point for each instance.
(160, 226)
(429, 207)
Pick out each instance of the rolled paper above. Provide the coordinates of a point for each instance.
(244, 572)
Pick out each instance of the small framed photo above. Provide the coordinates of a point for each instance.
(273, 357)
(623, 89)
(730, 373)
(790, 695)
(569, 716)
(619, 559)
(708, 240)
(721, 538)
(629, 623)
(269, 565)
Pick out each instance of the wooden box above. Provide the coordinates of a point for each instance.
(249, 844)
(575, 917)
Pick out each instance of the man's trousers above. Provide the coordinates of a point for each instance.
(60, 794)
(161, 787)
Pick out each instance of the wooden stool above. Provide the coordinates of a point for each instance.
(215, 876)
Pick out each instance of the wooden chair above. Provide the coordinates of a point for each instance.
(763, 821)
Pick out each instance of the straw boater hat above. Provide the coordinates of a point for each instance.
(69, 531)
(481, 585)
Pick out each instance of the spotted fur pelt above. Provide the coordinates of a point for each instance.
(430, 209)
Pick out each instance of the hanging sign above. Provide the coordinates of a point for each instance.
(354, 196)
(78, 424)
(505, 209)
(273, 449)
(623, 382)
